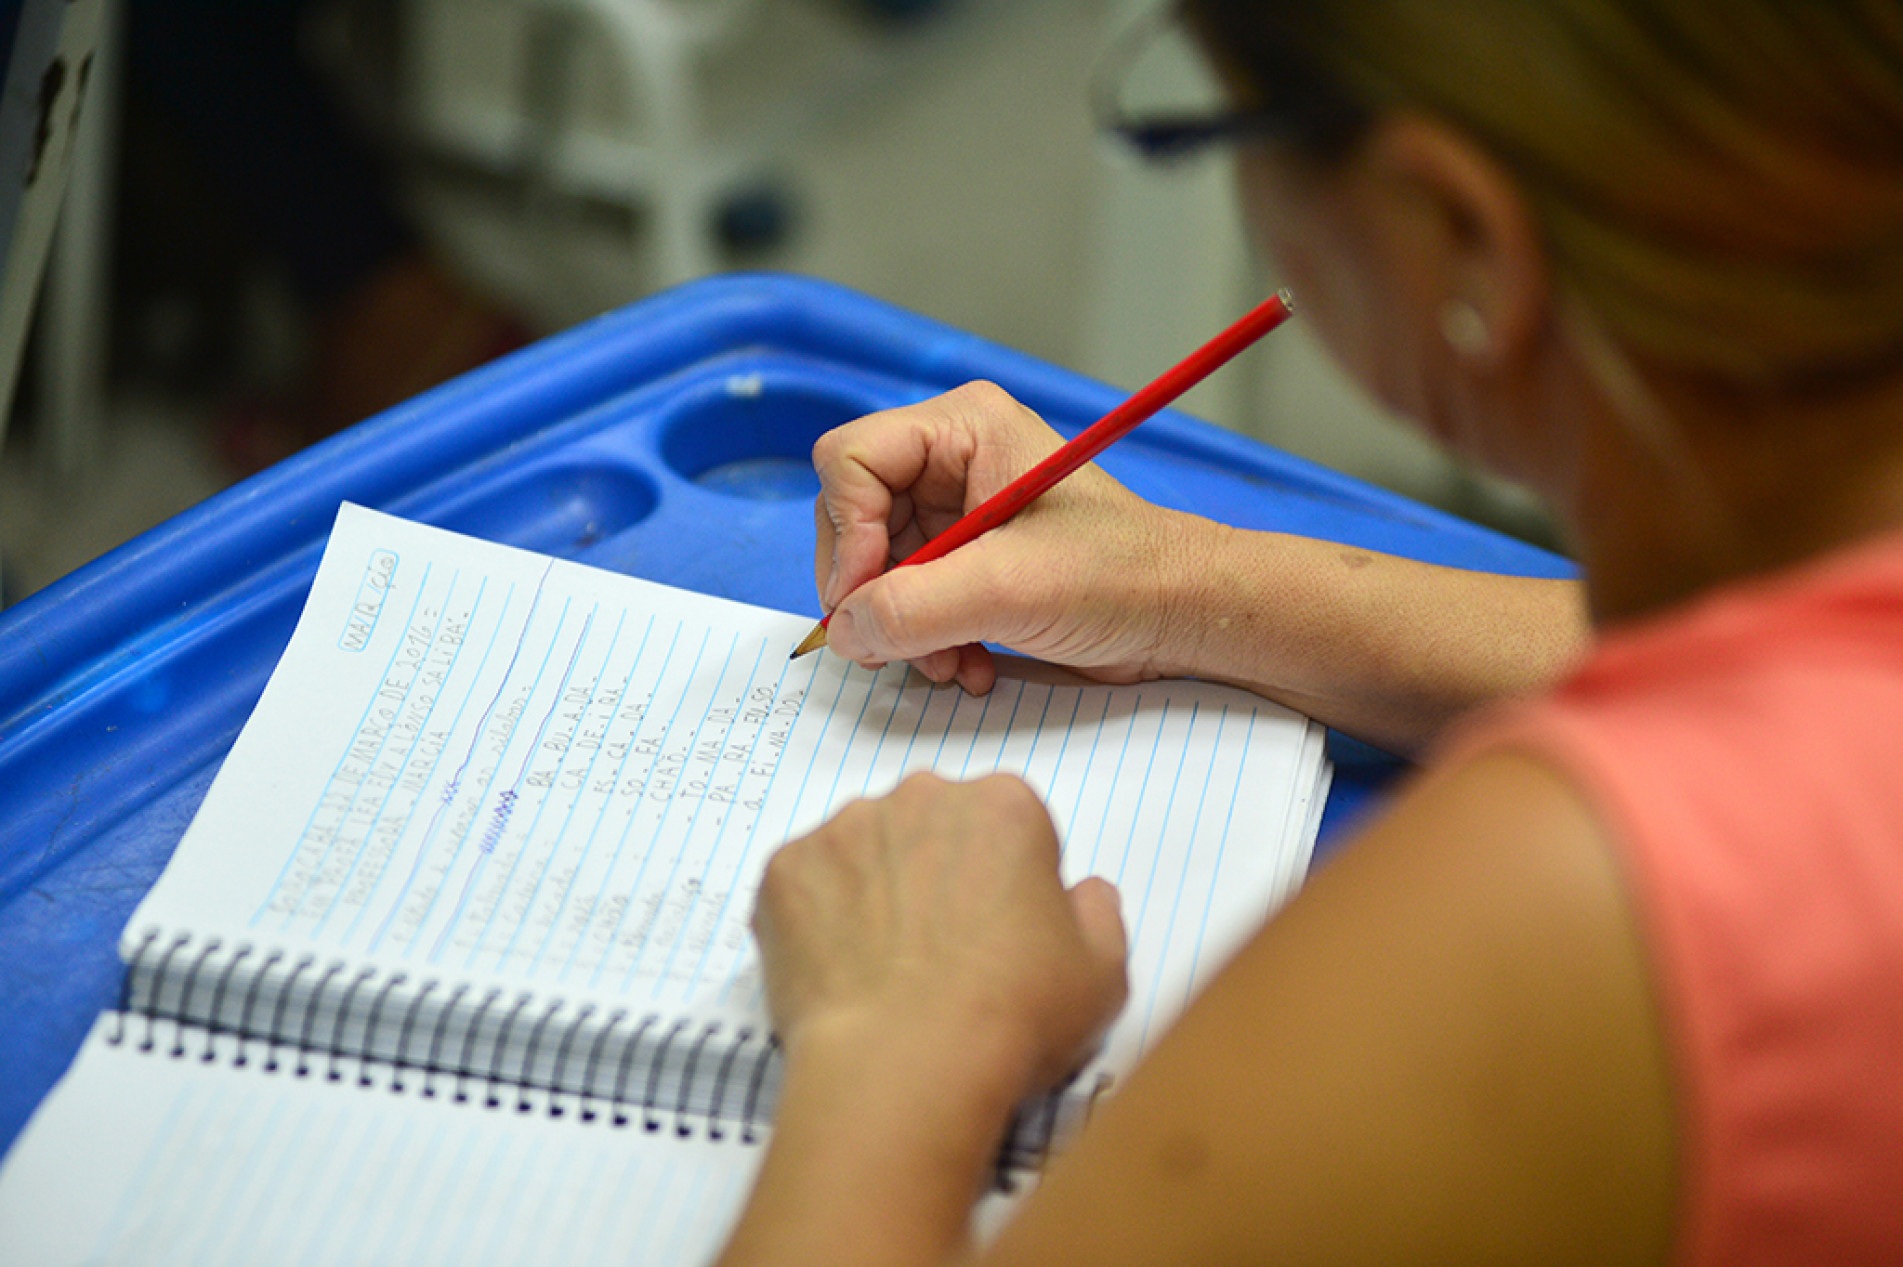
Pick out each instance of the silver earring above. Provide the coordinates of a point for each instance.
(1464, 328)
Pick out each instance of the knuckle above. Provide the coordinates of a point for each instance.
(1007, 792)
(920, 785)
(842, 455)
(921, 801)
(1017, 810)
(845, 822)
(1026, 799)
(779, 869)
(854, 829)
(827, 448)
(984, 399)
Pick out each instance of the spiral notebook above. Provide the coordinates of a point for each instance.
(453, 962)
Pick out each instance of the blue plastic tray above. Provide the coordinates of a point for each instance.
(668, 440)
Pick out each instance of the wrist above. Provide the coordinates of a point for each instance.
(1192, 619)
(1261, 611)
(975, 1064)
(880, 1128)
(884, 1127)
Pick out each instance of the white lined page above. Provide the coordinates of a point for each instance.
(478, 763)
(152, 1160)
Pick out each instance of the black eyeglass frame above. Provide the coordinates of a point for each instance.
(1318, 117)
(1163, 137)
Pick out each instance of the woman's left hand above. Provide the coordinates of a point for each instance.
(939, 909)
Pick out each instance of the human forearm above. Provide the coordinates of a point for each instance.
(922, 989)
(880, 1148)
(1384, 648)
(1096, 579)
(882, 1142)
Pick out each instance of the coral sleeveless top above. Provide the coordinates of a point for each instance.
(1746, 753)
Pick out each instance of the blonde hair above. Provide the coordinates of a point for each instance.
(1720, 181)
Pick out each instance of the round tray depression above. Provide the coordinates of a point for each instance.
(753, 439)
(559, 509)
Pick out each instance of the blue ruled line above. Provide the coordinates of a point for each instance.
(134, 1188)
(497, 821)
(1090, 763)
(681, 781)
(365, 1194)
(720, 830)
(443, 801)
(898, 698)
(344, 1171)
(647, 855)
(1143, 790)
(455, 780)
(1156, 852)
(401, 1205)
(452, 1185)
(311, 1121)
(369, 766)
(812, 757)
(660, 1199)
(338, 1135)
(212, 1222)
(504, 812)
(1182, 879)
(938, 753)
(687, 1214)
(1116, 779)
(799, 795)
(1004, 731)
(905, 758)
(826, 806)
(477, 819)
(486, 1183)
(608, 801)
(245, 1232)
(976, 731)
(1037, 733)
(634, 811)
(1222, 846)
(475, 742)
(298, 845)
(566, 1249)
(753, 829)
(550, 793)
(1077, 703)
(422, 728)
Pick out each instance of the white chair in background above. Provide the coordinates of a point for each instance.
(668, 164)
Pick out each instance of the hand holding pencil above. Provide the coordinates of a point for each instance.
(1072, 577)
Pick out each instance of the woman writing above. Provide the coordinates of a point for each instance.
(1615, 980)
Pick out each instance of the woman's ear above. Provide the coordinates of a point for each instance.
(1463, 239)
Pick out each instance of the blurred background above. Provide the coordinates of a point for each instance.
(286, 215)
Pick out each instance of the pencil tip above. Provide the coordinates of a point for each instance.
(811, 642)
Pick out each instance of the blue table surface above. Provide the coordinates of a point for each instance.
(668, 440)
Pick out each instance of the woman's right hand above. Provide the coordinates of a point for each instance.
(1081, 577)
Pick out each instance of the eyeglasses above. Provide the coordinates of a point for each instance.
(1311, 111)
(1171, 134)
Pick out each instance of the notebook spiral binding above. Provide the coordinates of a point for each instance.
(308, 1018)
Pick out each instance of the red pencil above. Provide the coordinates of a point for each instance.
(1091, 441)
